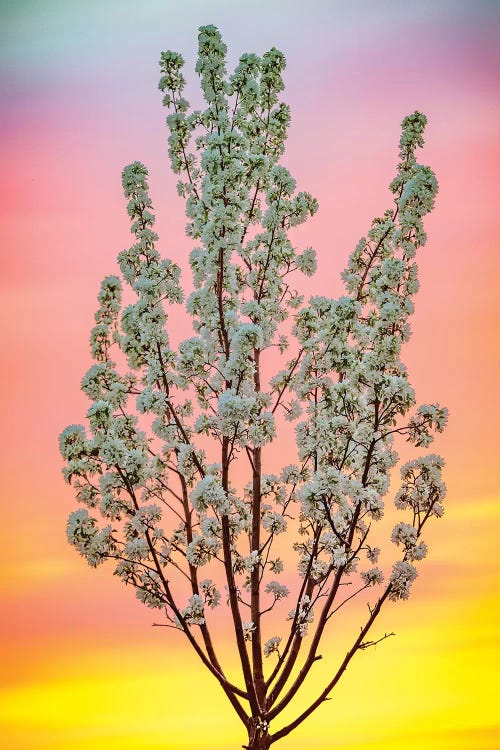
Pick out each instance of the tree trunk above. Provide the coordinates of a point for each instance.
(258, 737)
(259, 742)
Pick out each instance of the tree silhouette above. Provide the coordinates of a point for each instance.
(177, 455)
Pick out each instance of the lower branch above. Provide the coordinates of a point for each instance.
(228, 688)
(233, 596)
(358, 644)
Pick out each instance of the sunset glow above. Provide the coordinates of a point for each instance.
(81, 666)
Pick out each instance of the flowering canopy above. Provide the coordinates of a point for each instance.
(171, 432)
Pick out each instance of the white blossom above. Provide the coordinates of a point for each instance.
(137, 549)
(306, 262)
(83, 533)
(372, 553)
(277, 590)
(272, 645)
(210, 593)
(248, 629)
(372, 577)
(202, 549)
(193, 613)
(303, 615)
(405, 534)
(251, 561)
(274, 523)
(276, 566)
(209, 493)
(402, 576)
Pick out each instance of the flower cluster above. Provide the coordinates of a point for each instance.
(272, 645)
(248, 629)
(402, 576)
(83, 534)
(277, 590)
(211, 594)
(372, 577)
(194, 613)
(302, 615)
(209, 493)
(406, 535)
(422, 489)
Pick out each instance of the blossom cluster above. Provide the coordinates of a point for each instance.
(302, 615)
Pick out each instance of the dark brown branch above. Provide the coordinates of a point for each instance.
(324, 695)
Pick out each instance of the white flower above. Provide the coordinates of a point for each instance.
(307, 261)
(418, 552)
(201, 550)
(144, 518)
(210, 493)
(339, 557)
(251, 561)
(100, 414)
(319, 569)
(372, 553)
(233, 410)
(405, 534)
(150, 591)
(248, 629)
(137, 549)
(193, 613)
(303, 616)
(272, 645)
(277, 590)
(210, 593)
(290, 474)
(273, 522)
(276, 565)
(84, 534)
(72, 441)
(372, 577)
(402, 576)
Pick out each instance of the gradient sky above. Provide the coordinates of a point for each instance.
(81, 667)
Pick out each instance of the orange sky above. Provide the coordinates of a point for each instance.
(80, 665)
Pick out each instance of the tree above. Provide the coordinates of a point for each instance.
(176, 457)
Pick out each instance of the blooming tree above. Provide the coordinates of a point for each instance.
(174, 456)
